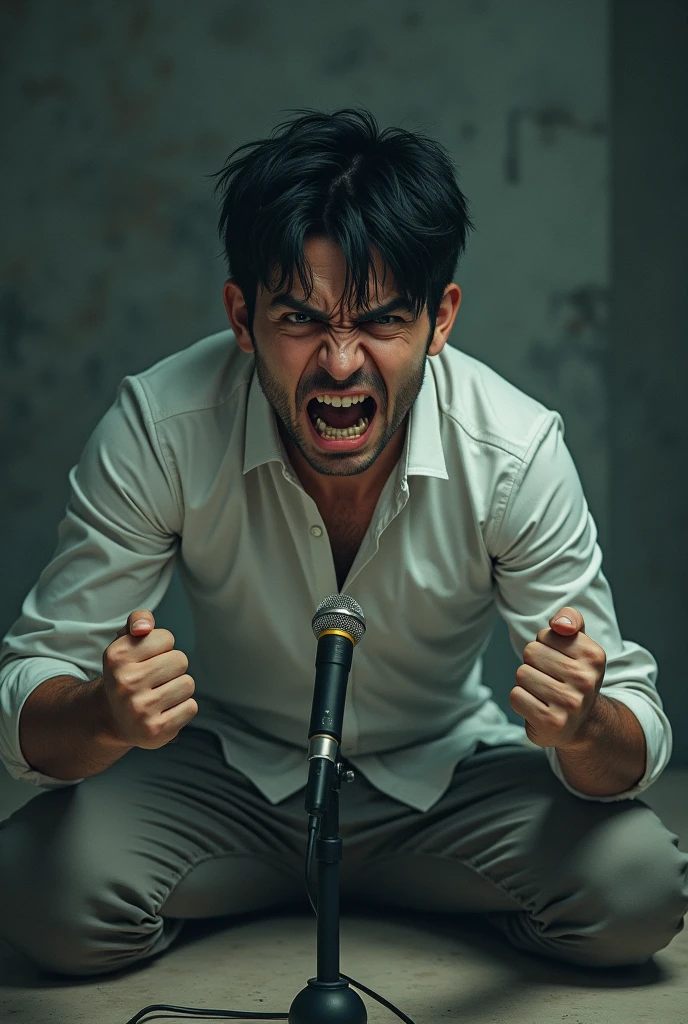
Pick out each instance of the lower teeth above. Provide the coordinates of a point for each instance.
(335, 434)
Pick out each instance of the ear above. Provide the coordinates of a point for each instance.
(446, 315)
(237, 314)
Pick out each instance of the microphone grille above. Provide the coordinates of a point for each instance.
(339, 611)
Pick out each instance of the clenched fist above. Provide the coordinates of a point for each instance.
(559, 681)
(147, 690)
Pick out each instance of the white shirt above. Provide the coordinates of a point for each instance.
(483, 513)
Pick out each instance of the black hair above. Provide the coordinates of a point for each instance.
(337, 175)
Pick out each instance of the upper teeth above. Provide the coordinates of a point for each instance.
(337, 401)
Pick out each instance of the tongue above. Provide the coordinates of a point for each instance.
(338, 417)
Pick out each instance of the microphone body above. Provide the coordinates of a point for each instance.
(332, 667)
(338, 625)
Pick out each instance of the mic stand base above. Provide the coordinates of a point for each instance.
(328, 999)
(327, 1002)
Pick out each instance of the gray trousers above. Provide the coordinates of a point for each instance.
(97, 876)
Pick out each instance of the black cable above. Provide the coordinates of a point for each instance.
(193, 1011)
(313, 829)
(197, 1011)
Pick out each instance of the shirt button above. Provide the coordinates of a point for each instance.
(316, 531)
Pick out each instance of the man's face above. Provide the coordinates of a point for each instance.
(305, 349)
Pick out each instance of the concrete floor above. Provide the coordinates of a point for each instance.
(433, 968)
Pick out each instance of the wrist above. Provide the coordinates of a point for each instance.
(609, 754)
(106, 728)
(587, 735)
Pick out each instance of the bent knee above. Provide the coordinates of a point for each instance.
(78, 948)
(73, 928)
(633, 903)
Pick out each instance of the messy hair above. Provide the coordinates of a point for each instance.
(337, 175)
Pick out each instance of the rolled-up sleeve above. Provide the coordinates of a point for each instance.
(545, 555)
(115, 553)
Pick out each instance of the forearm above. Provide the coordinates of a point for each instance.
(609, 756)
(63, 729)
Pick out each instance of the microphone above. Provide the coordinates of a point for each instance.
(338, 625)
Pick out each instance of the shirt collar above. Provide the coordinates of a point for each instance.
(423, 456)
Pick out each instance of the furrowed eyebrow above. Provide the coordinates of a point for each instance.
(290, 301)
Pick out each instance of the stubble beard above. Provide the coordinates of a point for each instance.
(337, 463)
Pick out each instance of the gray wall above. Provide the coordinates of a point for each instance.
(112, 116)
(648, 368)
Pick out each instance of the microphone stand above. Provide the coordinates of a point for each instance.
(327, 998)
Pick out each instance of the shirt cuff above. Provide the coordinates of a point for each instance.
(20, 678)
(657, 739)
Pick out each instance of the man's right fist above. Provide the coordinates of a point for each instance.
(147, 689)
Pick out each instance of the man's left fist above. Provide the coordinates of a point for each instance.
(558, 683)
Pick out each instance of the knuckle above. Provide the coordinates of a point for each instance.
(599, 658)
(521, 673)
(580, 675)
(126, 676)
(139, 707)
(529, 650)
(152, 730)
(542, 633)
(114, 654)
(570, 702)
(553, 718)
(166, 637)
(183, 660)
(578, 703)
(557, 719)
(586, 688)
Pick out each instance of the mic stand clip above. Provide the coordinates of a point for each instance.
(328, 998)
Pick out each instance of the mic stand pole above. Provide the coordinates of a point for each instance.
(327, 998)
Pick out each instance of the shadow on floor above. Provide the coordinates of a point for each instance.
(470, 930)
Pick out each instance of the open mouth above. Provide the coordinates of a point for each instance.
(342, 427)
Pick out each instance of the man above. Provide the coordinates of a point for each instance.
(338, 445)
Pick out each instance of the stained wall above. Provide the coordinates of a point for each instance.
(113, 116)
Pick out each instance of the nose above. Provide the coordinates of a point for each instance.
(340, 353)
